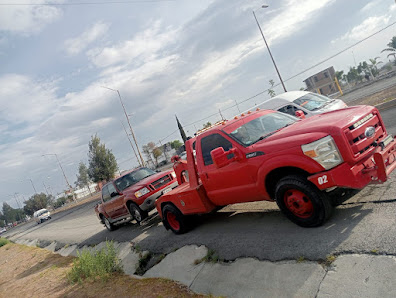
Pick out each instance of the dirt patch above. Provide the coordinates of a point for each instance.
(34, 272)
(376, 98)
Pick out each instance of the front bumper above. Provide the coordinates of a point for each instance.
(375, 169)
(149, 202)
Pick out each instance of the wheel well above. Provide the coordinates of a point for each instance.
(101, 216)
(168, 203)
(274, 176)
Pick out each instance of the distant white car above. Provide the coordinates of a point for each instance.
(41, 215)
(308, 102)
(2, 230)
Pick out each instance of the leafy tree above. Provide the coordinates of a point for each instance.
(339, 75)
(10, 214)
(391, 48)
(207, 125)
(354, 75)
(83, 177)
(37, 202)
(176, 144)
(148, 150)
(271, 91)
(102, 163)
(157, 153)
(61, 201)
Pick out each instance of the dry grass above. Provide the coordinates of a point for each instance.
(34, 272)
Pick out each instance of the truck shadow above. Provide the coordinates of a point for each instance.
(266, 235)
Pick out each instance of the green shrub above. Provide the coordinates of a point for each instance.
(95, 264)
(3, 241)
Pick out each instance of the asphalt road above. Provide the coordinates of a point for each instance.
(364, 223)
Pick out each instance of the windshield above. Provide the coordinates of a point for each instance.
(312, 101)
(261, 127)
(132, 178)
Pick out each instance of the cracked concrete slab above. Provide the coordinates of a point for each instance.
(179, 265)
(129, 258)
(68, 250)
(360, 276)
(253, 278)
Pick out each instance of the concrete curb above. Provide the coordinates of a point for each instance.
(349, 276)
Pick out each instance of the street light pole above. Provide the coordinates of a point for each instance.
(64, 175)
(130, 142)
(269, 51)
(129, 123)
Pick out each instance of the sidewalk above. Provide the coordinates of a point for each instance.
(194, 266)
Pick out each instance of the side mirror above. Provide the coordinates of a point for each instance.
(114, 194)
(222, 158)
(175, 158)
(300, 114)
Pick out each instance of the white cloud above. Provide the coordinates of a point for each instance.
(144, 46)
(27, 19)
(23, 100)
(74, 46)
(367, 27)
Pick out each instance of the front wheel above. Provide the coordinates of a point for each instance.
(137, 213)
(302, 202)
(109, 226)
(174, 219)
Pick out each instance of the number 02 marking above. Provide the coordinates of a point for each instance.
(322, 180)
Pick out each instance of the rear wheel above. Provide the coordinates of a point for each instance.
(302, 202)
(174, 219)
(137, 213)
(109, 226)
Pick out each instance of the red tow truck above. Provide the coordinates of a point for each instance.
(267, 155)
(133, 195)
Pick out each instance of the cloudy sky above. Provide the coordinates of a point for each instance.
(184, 57)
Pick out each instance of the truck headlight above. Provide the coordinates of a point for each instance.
(173, 175)
(324, 151)
(141, 192)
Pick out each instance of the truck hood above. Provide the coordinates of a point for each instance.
(146, 181)
(318, 126)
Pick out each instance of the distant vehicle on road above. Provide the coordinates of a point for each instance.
(2, 230)
(162, 163)
(309, 103)
(133, 195)
(41, 215)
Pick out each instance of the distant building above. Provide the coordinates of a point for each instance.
(323, 82)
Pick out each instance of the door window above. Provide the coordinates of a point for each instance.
(290, 109)
(105, 194)
(212, 142)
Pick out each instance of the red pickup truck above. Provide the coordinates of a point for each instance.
(133, 195)
(267, 155)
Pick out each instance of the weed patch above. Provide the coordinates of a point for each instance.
(211, 257)
(95, 264)
(3, 242)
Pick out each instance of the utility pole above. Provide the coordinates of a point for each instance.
(130, 142)
(269, 51)
(64, 175)
(129, 123)
(31, 181)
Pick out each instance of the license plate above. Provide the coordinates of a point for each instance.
(386, 142)
(166, 190)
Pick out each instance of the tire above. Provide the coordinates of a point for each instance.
(302, 202)
(138, 214)
(174, 219)
(109, 226)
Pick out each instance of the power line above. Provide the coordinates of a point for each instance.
(300, 73)
(84, 3)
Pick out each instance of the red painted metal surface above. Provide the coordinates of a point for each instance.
(298, 203)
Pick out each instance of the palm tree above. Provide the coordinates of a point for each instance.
(392, 48)
(373, 66)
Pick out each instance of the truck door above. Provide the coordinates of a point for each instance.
(114, 205)
(230, 184)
